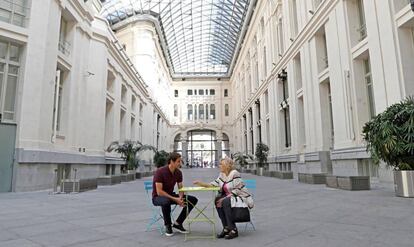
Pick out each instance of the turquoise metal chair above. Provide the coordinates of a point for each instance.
(156, 220)
(251, 186)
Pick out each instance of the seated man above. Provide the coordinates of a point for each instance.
(163, 194)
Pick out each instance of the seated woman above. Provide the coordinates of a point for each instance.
(232, 191)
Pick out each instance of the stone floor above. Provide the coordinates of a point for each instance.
(286, 214)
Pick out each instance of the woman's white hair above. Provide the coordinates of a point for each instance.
(229, 162)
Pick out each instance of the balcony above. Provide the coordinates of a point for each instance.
(362, 32)
(64, 47)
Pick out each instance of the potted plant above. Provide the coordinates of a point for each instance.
(262, 151)
(241, 159)
(160, 158)
(129, 151)
(390, 138)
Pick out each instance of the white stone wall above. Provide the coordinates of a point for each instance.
(93, 51)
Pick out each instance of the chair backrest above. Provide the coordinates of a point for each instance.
(250, 185)
(148, 187)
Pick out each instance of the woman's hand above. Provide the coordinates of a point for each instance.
(196, 182)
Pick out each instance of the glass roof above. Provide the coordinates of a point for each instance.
(201, 35)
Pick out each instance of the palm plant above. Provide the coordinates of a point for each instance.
(262, 151)
(160, 158)
(390, 135)
(241, 158)
(129, 151)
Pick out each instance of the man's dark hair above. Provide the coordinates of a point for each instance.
(173, 157)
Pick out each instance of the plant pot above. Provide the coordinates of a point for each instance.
(260, 171)
(404, 183)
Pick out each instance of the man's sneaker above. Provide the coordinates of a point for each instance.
(180, 228)
(168, 231)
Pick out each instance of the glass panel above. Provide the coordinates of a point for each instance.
(19, 6)
(14, 53)
(212, 92)
(14, 70)
(18, 19)
(5, 15)
(10, 94)
(3, 50)
(209, 48)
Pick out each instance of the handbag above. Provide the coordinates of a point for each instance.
(241, 215)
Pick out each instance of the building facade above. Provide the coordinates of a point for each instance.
(305, 79)
(312, 73)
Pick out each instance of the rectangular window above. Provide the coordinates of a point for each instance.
(176, 93)
(189, 92)
(288, 140)
(226, 110)
(264, 63)
(206, 111)
(9, 76)
(123, 94)
(226, 92)
(212, 111)
(14, 12)
(133, 104)
(122, 126)
(201, 111)
(200, 92)
(189, 112)
(298, 71)
(294, 18)
(57, 108)
(361, 15)
(132, 128)
(370, 93)
(195, 91)
(64, 45)
(175, 110)
(212, 92)
(280, 37)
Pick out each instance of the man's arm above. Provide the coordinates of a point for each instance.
(180, 185)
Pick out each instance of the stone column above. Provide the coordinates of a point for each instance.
(184, 149)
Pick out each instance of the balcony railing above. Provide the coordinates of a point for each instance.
(64, 47)
(362, 32)
(14, 13)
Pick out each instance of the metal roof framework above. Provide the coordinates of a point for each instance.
(201, 36)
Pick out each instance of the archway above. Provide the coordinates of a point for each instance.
(202, 148)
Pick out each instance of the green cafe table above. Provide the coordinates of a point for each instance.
(200, 212)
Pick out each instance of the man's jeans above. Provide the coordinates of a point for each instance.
(165, 204)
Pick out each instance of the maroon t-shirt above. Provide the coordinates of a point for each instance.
(163, 175)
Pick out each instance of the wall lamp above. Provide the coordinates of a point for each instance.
(282, 75)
